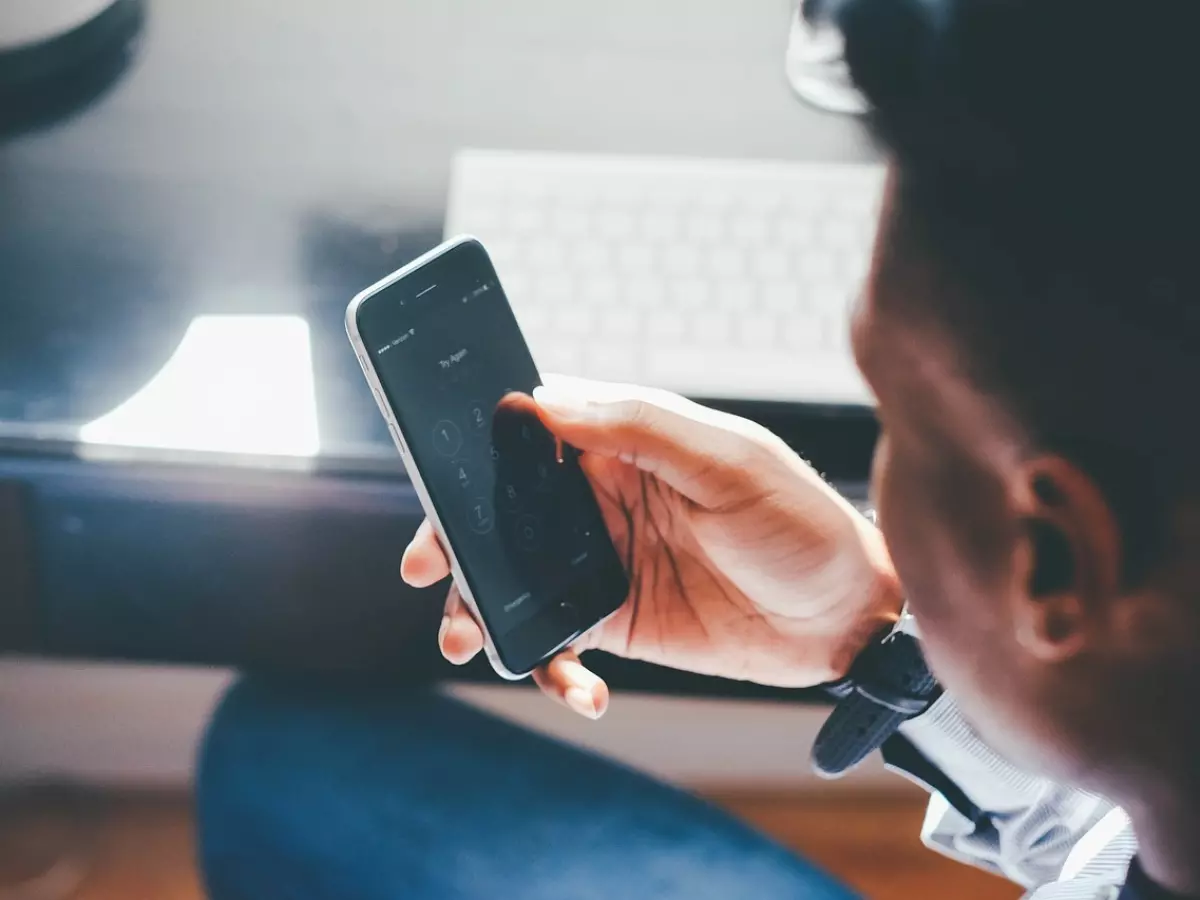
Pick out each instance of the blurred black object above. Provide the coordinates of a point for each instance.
(64, 357)
(54, 77)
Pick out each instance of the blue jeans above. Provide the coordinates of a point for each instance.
(310, 794)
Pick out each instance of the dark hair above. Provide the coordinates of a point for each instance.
(1047, 162)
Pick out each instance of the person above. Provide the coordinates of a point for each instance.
(1029, 327)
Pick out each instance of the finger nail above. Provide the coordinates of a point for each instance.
(581, 701)
(560, 402)
(442, 629)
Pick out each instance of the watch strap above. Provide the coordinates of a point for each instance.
(888, 684)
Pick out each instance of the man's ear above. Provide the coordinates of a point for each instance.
(1069, 559)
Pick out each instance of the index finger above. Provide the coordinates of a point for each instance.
(424, 562)
(702, 453)
(569, 681)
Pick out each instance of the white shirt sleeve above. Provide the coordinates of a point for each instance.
(1058, 842)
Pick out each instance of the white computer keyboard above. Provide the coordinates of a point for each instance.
(719, 279)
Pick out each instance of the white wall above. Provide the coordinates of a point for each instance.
(139, 725)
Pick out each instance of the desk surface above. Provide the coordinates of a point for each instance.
(255, 165)
(270, 159)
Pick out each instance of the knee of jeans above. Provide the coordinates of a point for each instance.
(261, 723)
(241, 737)
(269, 740)
(243, 722)
(279, 762)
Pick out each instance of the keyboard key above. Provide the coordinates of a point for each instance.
(797, 232)
(635, 259)
(546, 253)
(619, 321)
(726, 262)
(664, 325)
(712, 328)
(553, 290)
(736, 294)
(839, 234)
(716, 198)
(573, 319)
(600, 292)
(769, 263)
(668, 193)
(559, 356)
(569, 222)
(626, 190)
(660, 225)
(859, 255)
(816, 265)
(837, 336)
(528, 219)
(828, 299)
(591, 256)
(690, 294)
(804, 334)
(681, 259)
(782, 297)
(703, 227)
(614, 224)
(645, 293)
(759, 202)
(612, 361)
(750, 229)
(757, 329)
(532, 189)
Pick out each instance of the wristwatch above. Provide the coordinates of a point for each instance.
(887, 685)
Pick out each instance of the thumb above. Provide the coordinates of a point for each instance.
(703, 454)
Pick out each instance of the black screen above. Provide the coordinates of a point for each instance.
(514, 504)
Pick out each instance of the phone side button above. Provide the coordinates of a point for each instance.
(398, 439)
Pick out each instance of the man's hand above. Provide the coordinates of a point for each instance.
(743, 562)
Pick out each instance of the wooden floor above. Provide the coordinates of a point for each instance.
(57, 844)
(870, 843)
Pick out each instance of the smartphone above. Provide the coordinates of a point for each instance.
(452, 374)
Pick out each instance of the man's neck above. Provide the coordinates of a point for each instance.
(1168, 835)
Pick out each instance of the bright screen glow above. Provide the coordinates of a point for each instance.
(236, 384)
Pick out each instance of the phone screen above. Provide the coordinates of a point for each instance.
(514, 504)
